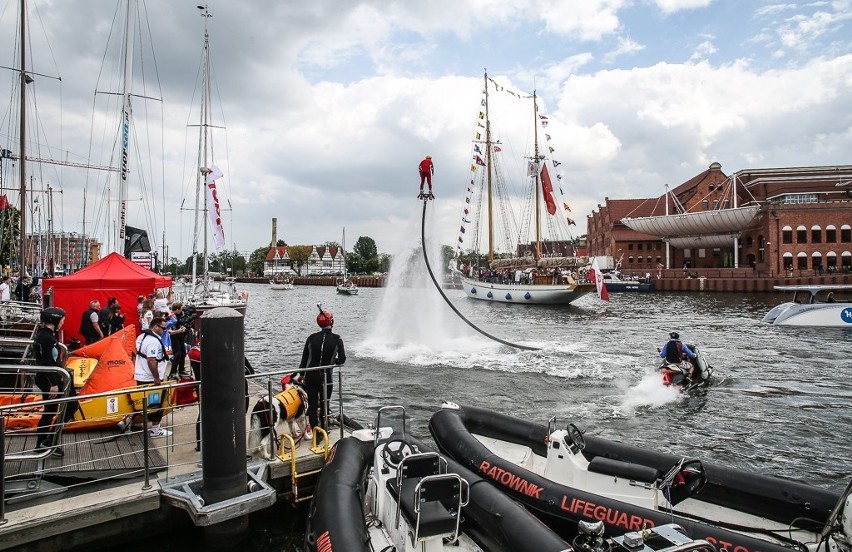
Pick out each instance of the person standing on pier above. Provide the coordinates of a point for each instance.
(322, 348)
(47, 353)
(150, 369)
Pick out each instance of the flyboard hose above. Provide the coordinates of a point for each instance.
(441, 291)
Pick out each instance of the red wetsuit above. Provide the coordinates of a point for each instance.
(427, 169)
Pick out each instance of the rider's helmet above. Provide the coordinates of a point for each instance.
(325, 319)
(674, 335)
(52, 315)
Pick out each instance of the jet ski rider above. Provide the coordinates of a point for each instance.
(675, 352)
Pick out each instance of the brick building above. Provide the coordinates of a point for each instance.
(772, 221)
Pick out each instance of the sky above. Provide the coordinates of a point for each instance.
(326, 107)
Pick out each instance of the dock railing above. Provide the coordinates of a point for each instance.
(122, 448)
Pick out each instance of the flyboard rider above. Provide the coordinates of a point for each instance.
(427, 169)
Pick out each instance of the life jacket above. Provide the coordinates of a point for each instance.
(674, 351)
(291, 400)
(145, 333)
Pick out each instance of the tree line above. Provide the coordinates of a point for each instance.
(364, 258)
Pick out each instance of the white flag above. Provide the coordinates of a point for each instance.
(213, 209)
(598, 276)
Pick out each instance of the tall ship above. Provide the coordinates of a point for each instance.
(528, 255)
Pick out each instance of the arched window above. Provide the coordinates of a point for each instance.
(831, 261)
(788, 261)
(830, 234)
(787, 234)
(816, 234)
(802, 259)
(846, 260)
(846, 234)
(816, 261)
(649, 259)
(801, 234)
(630, 259)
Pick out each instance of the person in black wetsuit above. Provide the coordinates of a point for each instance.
(322, 348)
(48, 353)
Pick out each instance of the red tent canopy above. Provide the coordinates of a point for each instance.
(112, 276)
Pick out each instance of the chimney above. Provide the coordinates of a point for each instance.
(274, 232)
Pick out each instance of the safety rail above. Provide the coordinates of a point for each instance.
(129, 453)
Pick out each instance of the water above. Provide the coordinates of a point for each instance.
(781, 407)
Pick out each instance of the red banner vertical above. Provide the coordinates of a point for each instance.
(547, 188)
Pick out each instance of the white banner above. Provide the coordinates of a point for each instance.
(213, 209)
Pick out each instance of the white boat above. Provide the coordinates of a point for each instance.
(281, 283)
(205, 293)
(566, 477)
(815, 305)
(345, 286)
(512, 276)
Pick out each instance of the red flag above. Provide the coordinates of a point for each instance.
(4, 202)
(547, 188)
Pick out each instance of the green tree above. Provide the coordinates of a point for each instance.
(280, 243)
(364, 256)
(385, 261)
(299, 255)
(447, 253)
(366, 248)
(256, 260)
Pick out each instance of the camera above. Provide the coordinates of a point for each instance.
(188, 316)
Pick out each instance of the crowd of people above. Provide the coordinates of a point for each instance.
(165, 341)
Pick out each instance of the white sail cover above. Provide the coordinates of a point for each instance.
(699, 242)
(723, 221)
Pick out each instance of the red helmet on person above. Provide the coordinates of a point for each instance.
(325, 319)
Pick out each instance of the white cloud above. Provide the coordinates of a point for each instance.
(672, 6)
(626, 46)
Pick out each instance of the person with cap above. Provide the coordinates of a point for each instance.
(675, 352)
(323, 348)
(427, 169)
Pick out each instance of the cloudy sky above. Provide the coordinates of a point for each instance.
(329, 105)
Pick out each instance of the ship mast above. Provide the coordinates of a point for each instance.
(202, 156)
(538, 159)
(25, 79)
(126, 114)
(489, 170)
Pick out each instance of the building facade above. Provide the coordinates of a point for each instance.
(801, 225)
(324, 260)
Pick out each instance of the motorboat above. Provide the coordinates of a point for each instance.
(281, 283)
(816, 305)
(677, 374)
(564, 477)
(381, 489)
(615, 282)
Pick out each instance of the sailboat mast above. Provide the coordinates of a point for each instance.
(489, 170)
(205, 120)
(202, 155)
(126, 112)
(538, 160)
(22, 251)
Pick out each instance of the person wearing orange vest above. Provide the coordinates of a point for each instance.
(427, 169)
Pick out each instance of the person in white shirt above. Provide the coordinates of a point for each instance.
(150, 369)
(5, 290)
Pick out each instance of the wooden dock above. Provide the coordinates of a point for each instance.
(98, 489)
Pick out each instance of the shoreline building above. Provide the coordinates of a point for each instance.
(775, 221)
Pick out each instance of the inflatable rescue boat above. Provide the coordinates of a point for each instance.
(563, 476)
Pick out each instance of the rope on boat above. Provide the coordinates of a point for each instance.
(447, 299)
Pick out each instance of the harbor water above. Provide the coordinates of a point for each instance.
(781, 405)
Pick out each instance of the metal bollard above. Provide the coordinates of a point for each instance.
(223, 430)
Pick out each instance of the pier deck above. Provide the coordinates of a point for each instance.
(101, 480)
